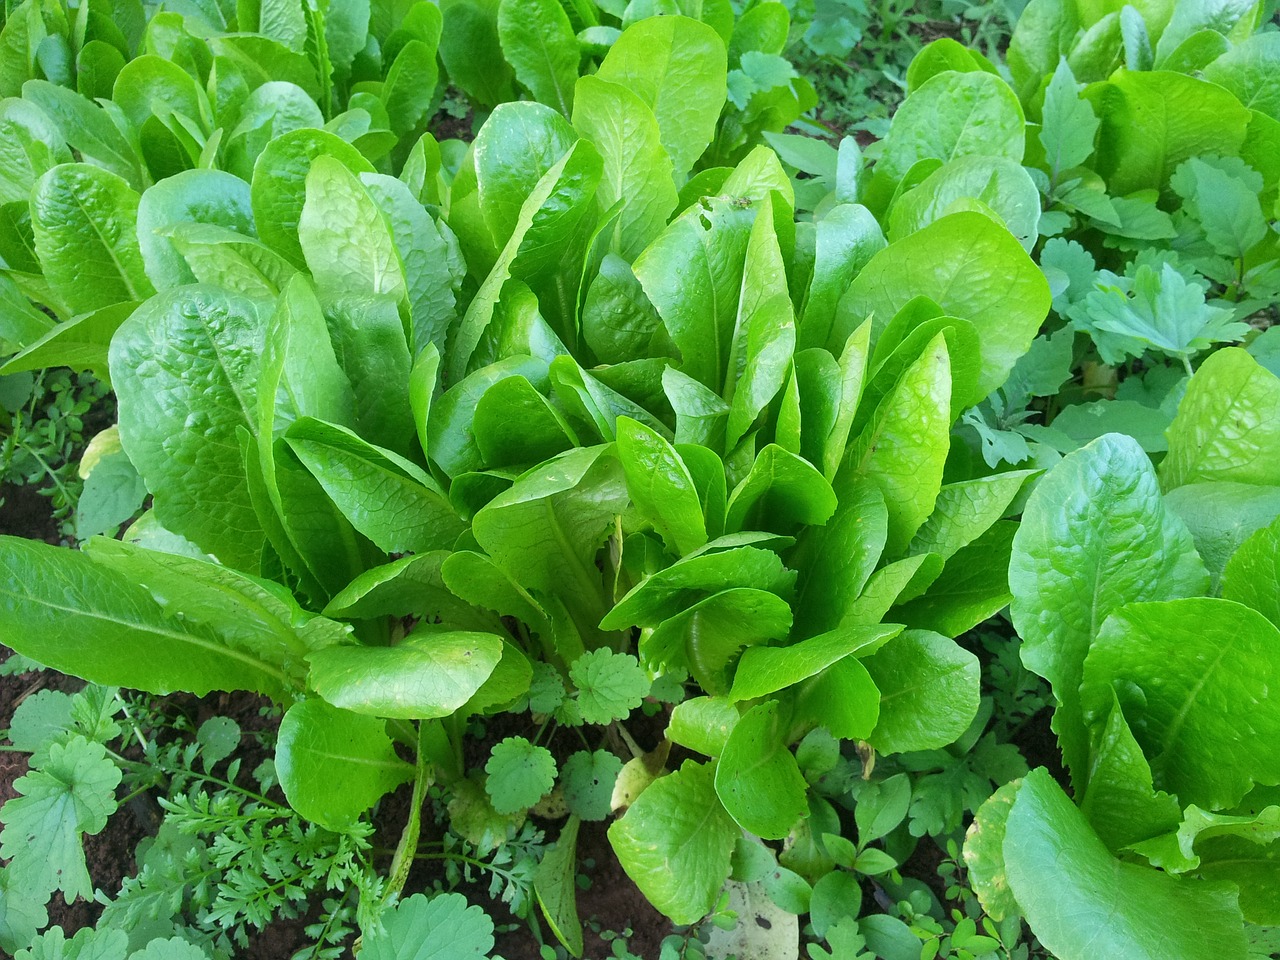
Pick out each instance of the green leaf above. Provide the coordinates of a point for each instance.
(345, 239)
(194, 197)
(470, 51)
(1081, 902)
(556, 887)
(1095, 535)
(87, 944)
(546, 530)
(928, 692)
(971, 268)
(1249, 70)
(610, 685)
(661, 486)
(85, 223)
(1141, 143)
(428, 674)
(441, 928)
(227, 259)
(334, 765)
(22, 913)
(1227, 426)
(766, 670)
(1226, 206)
(702, 724)
(999, 183)
(842, 699)
(1212, 658)
(973, 586)
(112, 494)
(763, 931)
(904, 448)
(588, 779)
(757, 778)
(539, 43)
(410, 87)
(782, 491)
(675, 842)
(387, 498)
(954, 115)
(846, 239)
(278, 190)
(1221, 516)
(520, 774)
(678, 67)
(965, 510)
(87, 128)
(1121, 802)
(1069, 123)
(185, 368)
(72, 793)
(70, 613)
(698, 304)
(1252, 575)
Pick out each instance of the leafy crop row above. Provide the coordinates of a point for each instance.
(618, 411)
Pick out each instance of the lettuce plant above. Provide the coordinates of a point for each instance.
(551, 432)
(1147, 599)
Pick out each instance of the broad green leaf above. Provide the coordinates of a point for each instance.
(637, 169)
(666, 592)
(1252, 575)
(841, 699)
(588, 779)
(782, 491)
(88, 129)
(692, 274)
(1232, 18)
(334, 765)
(278, 190)
(410, 87)
(546, 530)
(442, 928)
(1252, 867)
(903, 449)
(539, 43)
(757, 778)
(411, 586)
(1141, 143)
(387, 498)
(675, 842)
(702, 724)
(836, 560)
(1221, 516)
(1214, 663)
(451, 441)
(1068, 123)
(765, 931)
(470, 51)
(370, 341)
(1226, 205)
(345, 239)
(64, 610)
(846, 238)
(965, 510)
(30, 146)
(185, 369)
(940, 56)
(984, 853)
(85, 224)
(661, 487)
(928, 692)
(193, 196)
(427, 674)
(893, 357)
(954, 115)
(1000, 183)
(1250, 69)
(150, 86)
(270, 111)
(1081, 902)
(706, 636)
(515, 425)
(80, 343)
(973, 586)
(678, 67)
(766, 670)
(72, 793)
(903, 580)
(971, 268)
(231, 260)
(1227, 426)
(1121, 802)
(1095, 535)
(764, 335)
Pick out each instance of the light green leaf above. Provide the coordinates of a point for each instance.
(539, 43)
(556, 886)
(1002, 184)
(610, 685)
(1081, 902)
(428, 674)
(520, 774)
(965, 510)
(192, 197)
(1252, 575)
(661, 486)
(766, 670)
(675, 842)
(678, 67)
(846, 238)
(781, 492)
(1214, 665)
(1095, 535)
(1068, 125)
(702, 724)
(334, 765)
(928, 692)
(444, 927)
(1221, 516)
(1227, 426)
(757, 778)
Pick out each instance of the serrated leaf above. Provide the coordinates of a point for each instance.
(442, 928)
(588, 779)
(72, 793)
(610, 685)
(520, 774)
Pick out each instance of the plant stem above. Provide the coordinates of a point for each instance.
(408, 845)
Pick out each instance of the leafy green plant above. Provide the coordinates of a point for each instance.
(548, 432)
(1145, 599)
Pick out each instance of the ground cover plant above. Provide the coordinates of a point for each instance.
(618, 468)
